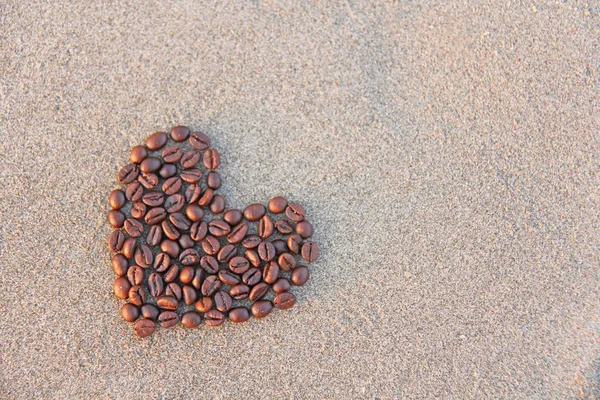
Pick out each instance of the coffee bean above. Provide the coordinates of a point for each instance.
(214, 318)
(270, 272)
(266, 251)
(261, 308)
(198, 230)
(304, 229)
(129, 247)
(277, 205)
(251, 241)
(155, 284)
(167, 303)
(251, 277)
(143, 256)
(299, 276)
(121, 288)
(128, 173)
(150, 164)
(171, 273)
(233, 216)
(295, 212)
(138, 210)
(238, 233)
(189, 257)
(239, 292)
(211, 245)
(206, 198)
(310, 251)
(239, 314)
(156, 141)
(189, 295)
(153, 199)
(217, 205)
(239, 265)
(154, 235)
(186, 241)
(204, 304)
(211, 159)
(116, 199)
(135, 275)
(198, 279)
(170, 247)
(171, 154)
(134, 191)
(226, 253)
(190, 159)
(209, 264)
(172, 185)
(180, 133)
(143, 328)
(193, 193)
(119, 264)
(116, 218)
(219, 228)
(258, 291)
(149, 181)
(168, 319)
(283, 226)
(294, 242)
(174, 290)
(129, 312)
(280, 246)
(284, 300)
(137, 295)
(155, 216)
(254, 212)
(150, 311)
(210, 285)
(213, 180)
(191, 175)
(167, 171)
(281, 285)
(253, 257)
(115, 241)
(223, 301)
(194, 212)
(186, 275)
(191, 319)
(286, 261)
(170, 230)
(138, 154)
(228, 277)
(199, 140)
(162, 262)
(265, 227)
(174, 203)
(134, 227)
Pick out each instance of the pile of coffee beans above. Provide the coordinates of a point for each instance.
(181, 256)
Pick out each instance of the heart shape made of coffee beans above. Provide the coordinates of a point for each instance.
(175, 264)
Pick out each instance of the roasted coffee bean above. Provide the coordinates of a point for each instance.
(186, 241)
(143, 256)
(133, 227)
(135, 275)
(217, 205)
(209, 264)
(150, 311)
(180, 133)
(239, 292)
(128, 173)
(190, 159)
(239, 314)
(299, 276)
(280, 246)
(210, 285)
(218, 228)
(286, 261)
(138, 210)
(199, 141)
(223, 301)
(265, 227)
(226, 253)
(204, 304)
(295, 212)
(211, 159)
(251, 277)
(191, 175)
(138, 154)
(174, 290)
(189, 257)
(153, 199)
(258, 291)
(154, 235)
(266, 251)
(270, 272)
(149, 181)
(172, 185)
(156, 141)
(174, 203)
(186, 275)
(155, 284)
(162, 262)
(211, 245)
(189, 295)
(171, 154)
(238, 233)
(134, 191)
(129, 247)
(304, 229)
(283, 226)
(143, 328)
(251, 241)
(129, 312)
(253, 257)
(150, 164)
(277, 205)
(121, 287)
(155, 216)
(254, 212)
(284, 300)
(214, 318)
(310, 251)
(198, 279)
(239, 265)
(119, 264)
(167, 171)
(206, 198)
(261, 308)
(233, 216)
(194, 212)
(281, 285)
(168, 319)
(116, 199)
(115, 241)
(228, 277)
(198, 230)
(170, 230)
(170, 247)
(294, 242)
(213, 180)
(137, 295)
(193, 193)
(167, 303)
(171, 273)
(116, 218)
(191, 319)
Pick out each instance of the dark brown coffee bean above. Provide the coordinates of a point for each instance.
(171, 154)
(209, 264)
(265, 227)
(226, 253)
(286, 261)
(219, 228)
(115, 241)
(304, 229)
(283, 227)
(194, 212)
(134, 191)
(150, 311)
(214, 318)
(189, 257)
(155, 216)
(198, 230)
(228, 277)
(280, 246)
(191, 175)
(150, 164)
(138, 154)
(204, 304)
(253, 257)
(121, 287)
(261, 308)
(167, 303)
(277, 205)
(116, 199)
(128, 173)
(154, 235)
(171, 273)
(168, 319)
(251, 241)
(190, 159)
(149, 181)
(186, 275)
(138, 210)
(155, 284)
(211, 245)
(211, 159)
(284, 300)
(119, 264)
(251, 277)
(239, 314)
(129, 312)
(239, 265)
(294, 242)
(186, 241)
(174, 203)
(310, 251)
(210, 285)
(170, 230)
(193, 193)
(239, 292)
(162, 262)
(258, 291)
(207, 198)
(223, 301)
(143, 256)
(170, 247)
(174, 290)
(191, 319)
(156, 141)
(172, 185)
(137, 295)
(153, 199)
(143, 328)
(180, 133)
(299, 276)
(116, 218)
(213, 180)
(281, 285)
(266, 251)
(190, 296)
(135, 275)
(254, 212)
(217, 206)
(238, 233)
(167, 171)
(295, 212)
(233, 216)
(129, 247)
(133, 227)
(271, 272)
(199, 141)
(198, 279)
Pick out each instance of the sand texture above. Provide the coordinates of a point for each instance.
(448, 155)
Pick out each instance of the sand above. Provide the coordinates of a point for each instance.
(448, 156)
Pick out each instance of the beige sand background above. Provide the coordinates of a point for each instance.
(447, 154)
